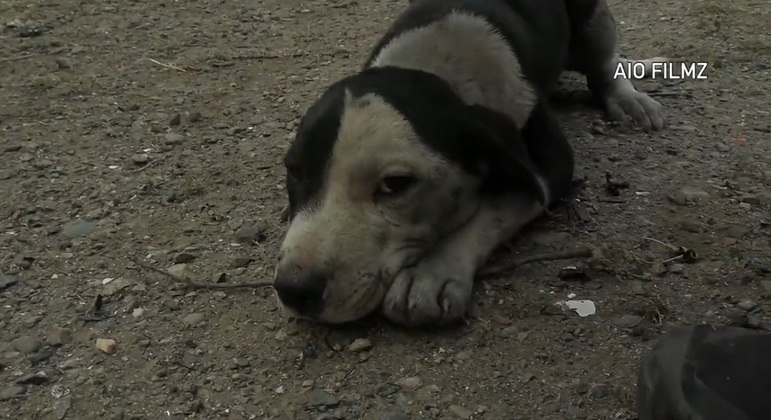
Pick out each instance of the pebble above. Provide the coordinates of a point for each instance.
(239, 262)
(412, 382)
(53, 229)
(172, 139)
(747, 305)
(460, 412)
(319, 398)
(12, 392)
(77, 228)
(249, 233)
(25, 344)
(359, 345)
(764, 284)
(627, 321)
(58, 336)
(638, 288)
(64, 63)
(175, 120)
(7, 281)
(688, 195)
(193, 319)
(184, 257)
(62, 406)
(177, 270)
(393, 415)
(195, 117)
(675, 268)
(106, 345)
(140, 158)
(138, 312)
(115, 286)
(38, 378)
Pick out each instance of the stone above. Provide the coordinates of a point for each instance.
(140, 159)
(77, 228)
(393, 415)
(359, 345)
(627, 321)
(747, 305)
(115, 286)
(7, 281)
(173, 139)
(184, 257)
(25, 344)
(249, 233)
(319, 398)
(412, 382)
(765, 286)
(688, 195)
(58, 336)
(193, 319)
(38, 378)
(177, 270)
(107, 345)
(12, 392)
(460, 412)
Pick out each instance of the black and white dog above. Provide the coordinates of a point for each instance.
(404, 177)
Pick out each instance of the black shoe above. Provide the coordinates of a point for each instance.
(707, 373)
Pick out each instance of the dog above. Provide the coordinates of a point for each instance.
(404, 177)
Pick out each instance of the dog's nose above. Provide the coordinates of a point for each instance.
(303, 293)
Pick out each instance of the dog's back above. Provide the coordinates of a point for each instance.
(496, 53)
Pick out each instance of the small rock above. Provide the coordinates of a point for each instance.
(7, 281)
(221, 277)
(116, 286)
(58, 336)
(40, 356)
(675, 268)
(460, 412)
(765, 286)
(193, 319)
(53, 229)
(38, 378)
(393, 415)
(359, 345)
(747, 305)
(184, 257)
(64, 63)
(319, 398)
(140, 158)
(77, 228)
(177, 270)
(412, 382)
(106, 345)
(308, 383)
(173, 139)
(627, 321)
(12, 392)
(62, 406)
(688, 195)
(638, 288)
(239, 262)
(25, 344)
(175, 120)
(249, 233)
(280, 390)
(195, 117)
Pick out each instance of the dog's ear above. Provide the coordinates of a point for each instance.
(493, 143)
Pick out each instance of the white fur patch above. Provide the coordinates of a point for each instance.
(469, 53)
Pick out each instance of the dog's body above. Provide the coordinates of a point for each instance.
(404, 177)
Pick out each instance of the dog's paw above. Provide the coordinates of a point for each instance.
(428, 294)
(644, 110)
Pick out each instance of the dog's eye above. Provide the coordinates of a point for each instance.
(393, 185)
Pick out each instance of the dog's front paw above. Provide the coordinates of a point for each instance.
(643, 109)
(428, 294)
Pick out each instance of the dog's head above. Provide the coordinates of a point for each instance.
(384, 164)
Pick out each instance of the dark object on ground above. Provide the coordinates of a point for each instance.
(707, 373)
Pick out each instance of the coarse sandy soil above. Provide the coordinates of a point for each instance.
(155, 130)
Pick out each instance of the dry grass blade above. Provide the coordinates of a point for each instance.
(549, 256)
(191, 284)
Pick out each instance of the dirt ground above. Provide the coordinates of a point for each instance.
(155, 130)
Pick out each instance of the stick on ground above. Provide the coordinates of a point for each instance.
(549, 256)
(191, 284)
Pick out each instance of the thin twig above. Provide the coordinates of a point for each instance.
(670, 246)
(662, 94)
(198, 285)
(549, 256)
(19, 57)
(168, 66)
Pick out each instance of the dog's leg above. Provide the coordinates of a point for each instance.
(438, 289)
(593, 53)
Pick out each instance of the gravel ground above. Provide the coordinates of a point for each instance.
(154, 131)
